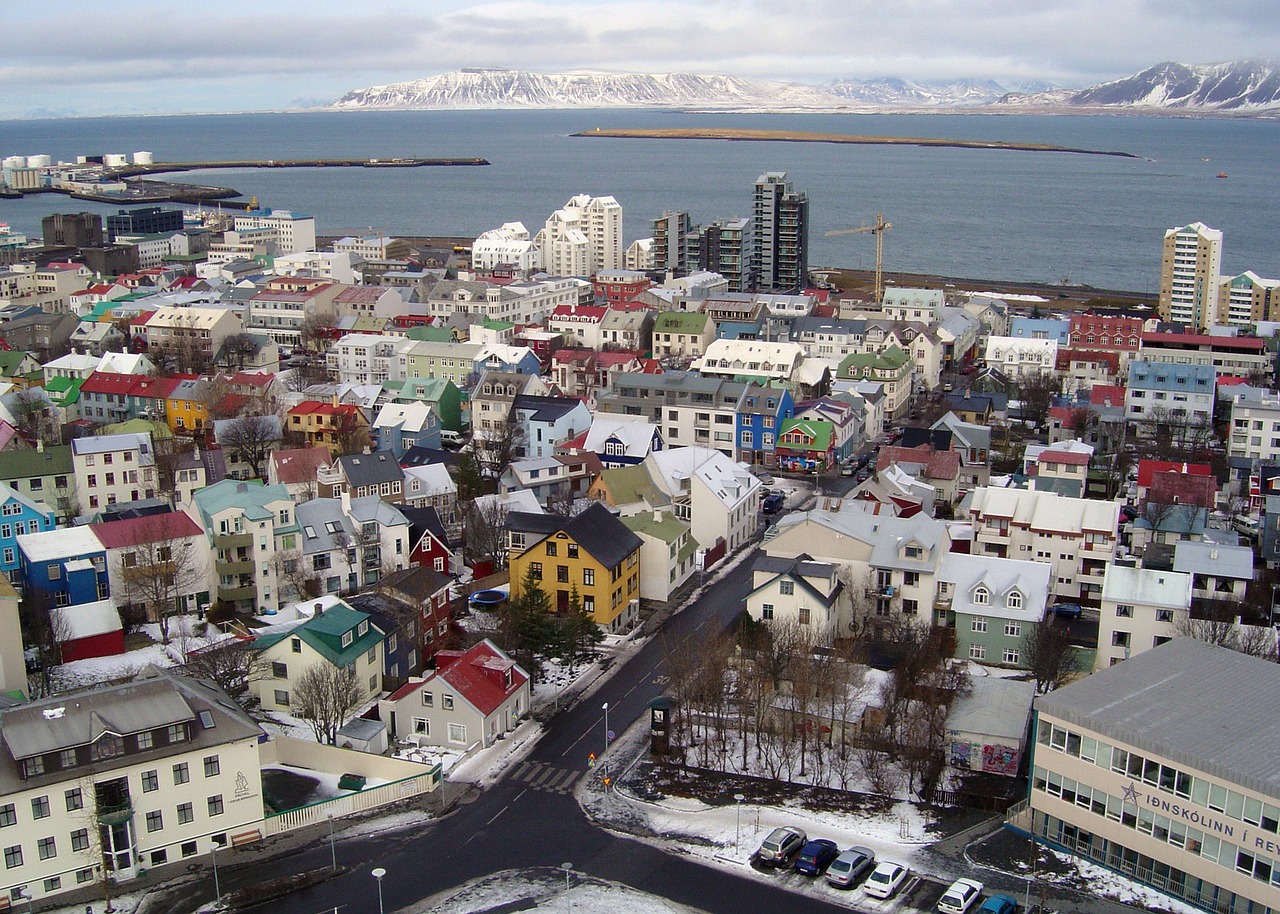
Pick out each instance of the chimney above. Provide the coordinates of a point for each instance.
(346, 499)
(657, 516)
(39, 446)
(334, 400)
(319, 610)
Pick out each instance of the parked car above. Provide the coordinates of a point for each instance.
(848, 468)
(781, 845)
(885, 879)
(999, 904)
(815, 857)
(851, 866)
(962, 895)
(1068, 610)
(863, 474)
(450, 438)
(773, 502)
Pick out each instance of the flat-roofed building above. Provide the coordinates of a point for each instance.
(1163, 768)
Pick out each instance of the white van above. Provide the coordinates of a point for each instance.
(450, 438)
(1246, 525)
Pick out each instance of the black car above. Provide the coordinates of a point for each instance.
(1068, 610)
(816, 856)
(773, 503)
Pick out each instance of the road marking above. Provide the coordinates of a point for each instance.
(537, 782)
(496, 814)
(520, 794)
(522, 770)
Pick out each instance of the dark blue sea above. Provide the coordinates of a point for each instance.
(995, 214)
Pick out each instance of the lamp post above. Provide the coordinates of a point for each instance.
(217, 890)
(378, 874)
(568, 868)
(606, 726)
(737, 832)
(333, 852)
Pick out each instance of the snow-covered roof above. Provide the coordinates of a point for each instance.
(1147, 587)
(52, 545)
(1000, 578)
(636, 436)
(85, 620)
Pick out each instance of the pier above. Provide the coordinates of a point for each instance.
(155, 168)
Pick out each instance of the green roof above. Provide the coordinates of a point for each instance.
(820, 429)
(668, 528)
(631, 484)
(431, 334)
(428, 390)
(491, 324)
(10, 359)
(892, 359)
(680, 322)
(64, 391)
(139, 426)
(324, 634)
(24, 464)
(228, 494)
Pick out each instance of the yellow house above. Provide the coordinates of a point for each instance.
(593, 553)
(185, 409)
(340, 427)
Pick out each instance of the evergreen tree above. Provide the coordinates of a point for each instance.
(577, 632)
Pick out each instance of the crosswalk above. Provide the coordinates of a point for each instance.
(547, 777)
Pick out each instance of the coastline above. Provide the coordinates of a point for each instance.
(788, 136)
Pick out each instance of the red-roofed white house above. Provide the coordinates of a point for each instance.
(474, 696)
(160, 558)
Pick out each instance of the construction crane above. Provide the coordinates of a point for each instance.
(878, 230)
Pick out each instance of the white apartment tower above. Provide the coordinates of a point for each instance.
(583, 237)
(1190, 271)
(294, 232)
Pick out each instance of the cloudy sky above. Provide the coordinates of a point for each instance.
(146, 56)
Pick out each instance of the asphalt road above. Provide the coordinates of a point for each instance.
(530, 818)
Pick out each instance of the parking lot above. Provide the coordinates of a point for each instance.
(918, 893)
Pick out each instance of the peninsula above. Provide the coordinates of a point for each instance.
(789, 136)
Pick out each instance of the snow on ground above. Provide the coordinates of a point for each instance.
(80, 674)
(430, 755)
(1104, 882)
(545, 890)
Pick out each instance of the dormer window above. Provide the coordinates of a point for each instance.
(364, 628)
(981, 596)
(348, 638)
(1014, 600)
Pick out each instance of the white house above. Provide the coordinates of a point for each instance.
(113, 468)
(1017, 357)
(1141, 608)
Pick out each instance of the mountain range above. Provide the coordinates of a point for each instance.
(1241, 87)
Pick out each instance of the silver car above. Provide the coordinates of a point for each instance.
(849, 867)
(780, 846)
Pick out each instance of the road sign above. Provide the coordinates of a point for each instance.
(591, 760)
(609, 735)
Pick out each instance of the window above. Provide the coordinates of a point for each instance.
(8, 815)
(588, 577)
(185, 813)
(212, 767)
(215, 805)
(181, 773)
(80, 839)
(562, 574)
(39, 807)
(295, 645)
(1124, 611)
(1164, 615)
(108, 746)
(1119, 639)
(155, 821)
(1013, 600)
(46, 848)
(446, 701)
(457, 733)
(13, 856)
(75, 799)
(803, 615)
(1013, 629)
(348, 638)
(150, 781)
(786, 588)
(52, 884)
(977, 652)
(551, 548)
(145, 740)
(979, 623)
(422, 725)
(535, 570)
(428, 700)
(279, 670)
(1010, 655)
(981, 597)
(282, 697)
(910, 607)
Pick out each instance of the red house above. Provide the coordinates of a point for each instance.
(88, 630)
(429, 592)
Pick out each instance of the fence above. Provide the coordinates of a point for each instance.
(369, 798)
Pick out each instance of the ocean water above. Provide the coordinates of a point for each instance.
(996, 214)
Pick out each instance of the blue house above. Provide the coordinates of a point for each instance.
(69, 564)
(514, 359)
(1041, 328)
(400, 426)
(761, 412)
(19, 515)
(545, 422)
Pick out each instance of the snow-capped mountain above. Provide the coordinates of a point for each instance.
(905, 92)
(495, 88)
(1246, 86)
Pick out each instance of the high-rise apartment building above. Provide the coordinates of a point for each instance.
(582, 237)
(1189, 275)
(72, 230)
(780, 258)
(1246, 299)
(669, 234)
(723, 247)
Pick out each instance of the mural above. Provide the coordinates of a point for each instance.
(1000, 760)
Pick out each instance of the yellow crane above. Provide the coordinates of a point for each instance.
(878, 230)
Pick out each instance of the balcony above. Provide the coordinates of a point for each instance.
(115, 813)
(233, 541)
(234, 593)
(235, 567)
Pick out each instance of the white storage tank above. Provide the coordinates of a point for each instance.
(41, 161)
(114, 160)
(142, 158)
(14, 162)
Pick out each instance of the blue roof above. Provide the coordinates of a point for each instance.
(1166, 376)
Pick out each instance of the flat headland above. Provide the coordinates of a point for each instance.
(853, 139)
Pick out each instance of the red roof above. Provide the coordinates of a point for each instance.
(315, 407)
(575, 356)
(253, 379)
(110, 382)
(1106, 395)
(588, 313)
(134, 531)
(650, 366)
(1070, 458)
(1148, 468)
(478, 674)
(156, 388)
(1202, 339)
(1068, 355)
(299, 465)
(1230, 380)
(1174, 488)
(609, 359)
(937, 464)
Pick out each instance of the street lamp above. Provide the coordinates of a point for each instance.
(378, 874)
(606, 726)
(333, 852)
(217, 890)
(737, 834)
(568, 868)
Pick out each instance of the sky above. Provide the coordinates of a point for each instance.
(75, 57)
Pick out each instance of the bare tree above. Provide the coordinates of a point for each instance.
(35, 417)
(250, 440)
(316, 332)
(169, 453)
(1036, 391)
(1216, 623)
(325, 695)
(483, 531)
(159, 572)
(43, 631)
(499, 446)
(237, 349)
(232, 664)
(296, 572)
(350, 432)
(1049, 655)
